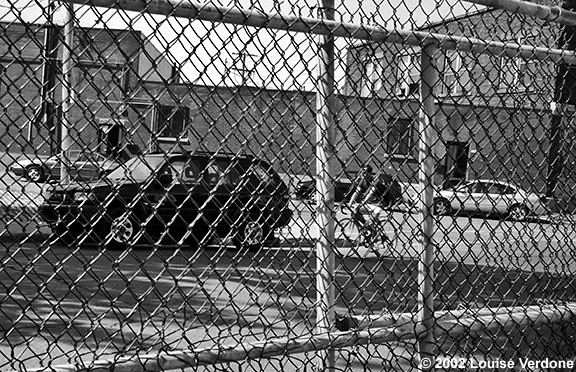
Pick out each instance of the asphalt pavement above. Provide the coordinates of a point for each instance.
(269, 292)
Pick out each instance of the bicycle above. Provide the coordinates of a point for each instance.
(373, 235)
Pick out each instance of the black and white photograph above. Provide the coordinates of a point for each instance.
(288, 185)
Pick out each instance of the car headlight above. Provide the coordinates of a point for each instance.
(83, 196)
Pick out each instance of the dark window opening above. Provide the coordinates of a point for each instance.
(400, 140)
(172, 121)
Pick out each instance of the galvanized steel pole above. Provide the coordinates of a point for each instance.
(67, 92)
(253, 18)
(546, 13)
(325, 145)
(427, 139)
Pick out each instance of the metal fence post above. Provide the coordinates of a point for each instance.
(429, 77)
(325, 137)
(67, 97)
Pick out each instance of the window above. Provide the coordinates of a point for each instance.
(372, 78)
(509, 73)
(400, 140)
(455, 74)
(172, 122)
(530, 74)
(519, 74)
(408, 75)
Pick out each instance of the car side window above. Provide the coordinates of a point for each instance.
(175, 169)
(475, 187)
(191, 172)
(496, 188)
(493, 188)
(96, 157)
(508, 190)
(481, 188)
(168, 169)
(218, 173)
(187, 171)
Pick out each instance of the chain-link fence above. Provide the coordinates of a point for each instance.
(186, 185)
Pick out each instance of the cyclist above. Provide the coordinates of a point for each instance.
(369, 198)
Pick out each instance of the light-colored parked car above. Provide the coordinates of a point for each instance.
(489, 197)
(85, 166)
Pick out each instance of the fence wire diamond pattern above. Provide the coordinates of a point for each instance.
(185, 185)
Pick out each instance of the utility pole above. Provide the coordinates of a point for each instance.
(46, 116)
(67, 92)
(564, 95)
(49, 70)
(325, 164)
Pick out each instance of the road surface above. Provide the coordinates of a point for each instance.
(65, 304)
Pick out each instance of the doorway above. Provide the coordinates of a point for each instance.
(456, 163)
(110, 137)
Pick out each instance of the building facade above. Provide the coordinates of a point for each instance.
(107, 66)
(493, 112)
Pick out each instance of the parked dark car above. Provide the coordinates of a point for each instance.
(185, 197)
(343, 191)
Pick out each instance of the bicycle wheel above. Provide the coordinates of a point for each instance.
(388, 237)
(348, 236)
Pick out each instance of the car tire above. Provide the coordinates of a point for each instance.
(252, 233)
(441, 207)
(518, 212)
(35, 173)
(118, 229)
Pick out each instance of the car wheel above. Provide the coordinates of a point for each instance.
(35, 173)
(518, 213)
(252, 233)
(118, 229)
(441, 207)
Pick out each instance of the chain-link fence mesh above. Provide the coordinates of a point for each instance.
(184, 186)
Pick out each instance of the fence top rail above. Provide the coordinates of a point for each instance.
(256, 18)
(546, 13)
(408, 327)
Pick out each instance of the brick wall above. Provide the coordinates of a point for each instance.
(506, 129)
(107, 68)
(280, 126)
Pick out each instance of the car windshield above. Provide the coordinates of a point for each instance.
(138, 169)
